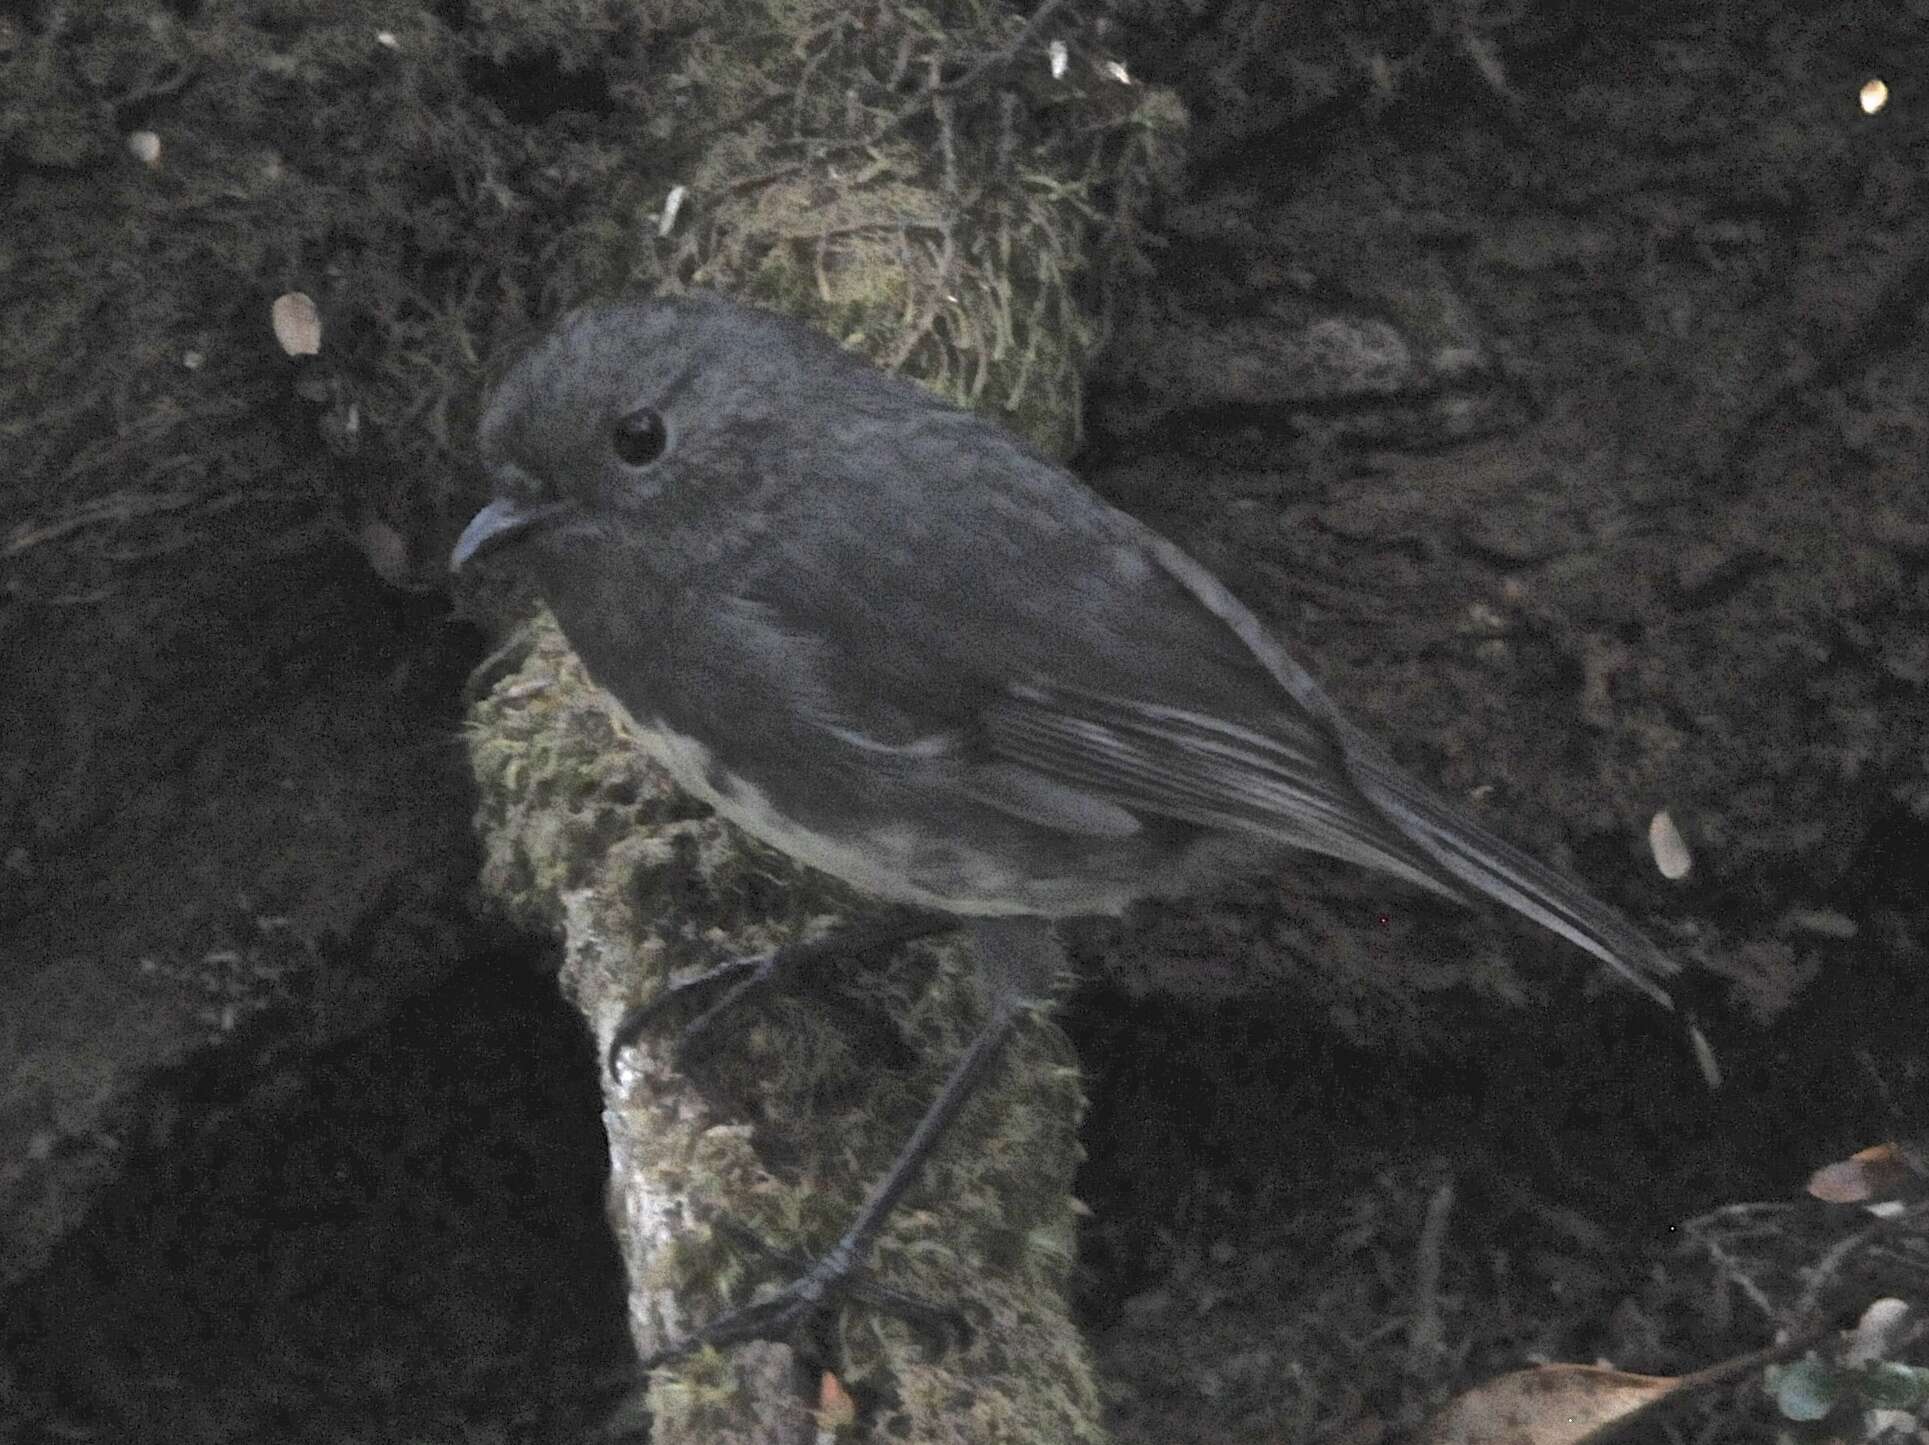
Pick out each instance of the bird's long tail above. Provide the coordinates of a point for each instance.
(1470, 855)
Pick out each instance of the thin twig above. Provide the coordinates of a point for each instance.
(1424, 1338)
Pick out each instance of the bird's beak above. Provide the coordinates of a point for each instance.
(499, 522)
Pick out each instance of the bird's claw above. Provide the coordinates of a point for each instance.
(738, 977)
(816, 1287)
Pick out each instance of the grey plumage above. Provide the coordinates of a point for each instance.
(891, 639)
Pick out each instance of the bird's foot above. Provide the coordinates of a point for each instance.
(816, 1287)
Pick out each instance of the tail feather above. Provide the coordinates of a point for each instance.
(1432, 830)
(1495, 867)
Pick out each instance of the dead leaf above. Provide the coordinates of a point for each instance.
(297, 323)
(1878, 1172)
(1669, 848)
(1548, 1405)
(836, 1410)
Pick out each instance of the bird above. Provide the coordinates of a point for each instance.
(893, 641)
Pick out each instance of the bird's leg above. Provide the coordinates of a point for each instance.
(1021, 958)
(781, 1315)
(738, 978)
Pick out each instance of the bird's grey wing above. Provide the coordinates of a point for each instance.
(1018, 638)
(1301, 774)
(1286, 781)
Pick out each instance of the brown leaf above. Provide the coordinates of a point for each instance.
(1548, 1405)
(1878, 1172)
(836, 1410)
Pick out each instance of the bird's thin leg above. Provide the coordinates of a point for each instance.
(779, 1316)
(740, 977)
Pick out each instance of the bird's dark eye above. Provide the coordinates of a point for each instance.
(638, 439)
